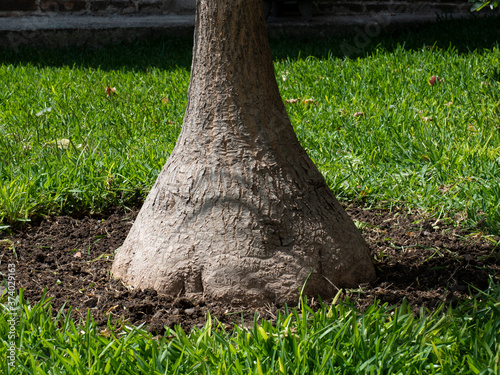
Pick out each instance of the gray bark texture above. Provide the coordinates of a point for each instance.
(239, 212)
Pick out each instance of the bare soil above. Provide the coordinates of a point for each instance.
(418, 259)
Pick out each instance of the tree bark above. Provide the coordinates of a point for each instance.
(239, 211)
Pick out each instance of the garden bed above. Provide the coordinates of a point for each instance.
(421, 260)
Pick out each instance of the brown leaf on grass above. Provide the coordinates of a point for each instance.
(78, 255)
(165, 101)
(472, 128)
(303, 101)
(63, 143)
(427, 119)
(110, 91)
(448, 104)
(359, 114)
(445, 188)
(106, 332)
(435, 79)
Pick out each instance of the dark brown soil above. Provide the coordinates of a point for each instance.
(416, 258)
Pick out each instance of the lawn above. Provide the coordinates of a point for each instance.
(86, 130)
(334, 339)
(82, 131)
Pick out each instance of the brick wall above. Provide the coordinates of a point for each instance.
(95, 7)
(396, 6)
(148, 7)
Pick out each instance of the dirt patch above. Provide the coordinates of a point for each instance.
(419, 259)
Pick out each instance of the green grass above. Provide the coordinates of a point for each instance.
(68, 147)
(116, 145)
(90, 152)
(436, 148)
(335, 339)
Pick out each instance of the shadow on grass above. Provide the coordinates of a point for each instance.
(166, 54)
(461, 35)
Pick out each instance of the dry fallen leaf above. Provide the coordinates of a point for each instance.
(359, 114)
(448, 104)
(43, 111)
(111, 309)
(63, 143)
(106, 332)
(165, 101)
(78, 255)
(427, 119)
(432, 81)
(444, 188)
(292, 101)
(308, 101)
(110, 91)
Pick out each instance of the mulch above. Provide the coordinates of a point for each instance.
(417, 259)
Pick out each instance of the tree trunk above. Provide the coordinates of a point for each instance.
(239, 211)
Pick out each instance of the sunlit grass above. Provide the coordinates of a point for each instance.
(66, 146)
(379, 131)
(335, 339)
(376, 128)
